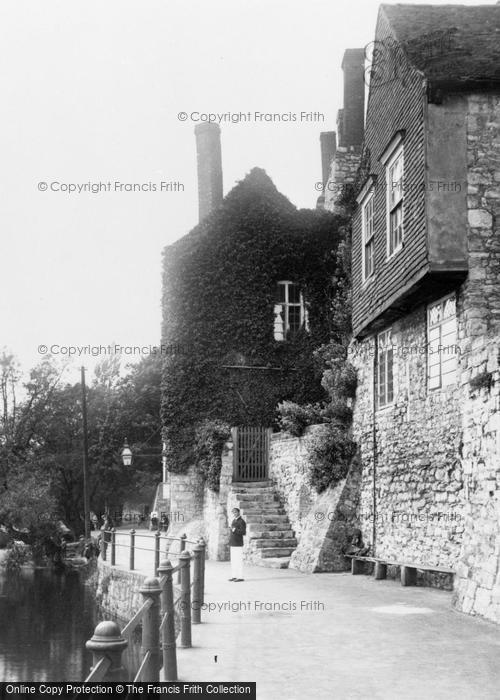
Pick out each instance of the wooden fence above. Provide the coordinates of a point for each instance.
(157, 614)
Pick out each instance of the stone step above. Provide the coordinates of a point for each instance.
(265, 534)
(264, 519)
(250, 485)
(265, 510)
(266, 497)
(267, 527)
(274, 562)
(267, 552)
(262, 543)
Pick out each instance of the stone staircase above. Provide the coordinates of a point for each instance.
(270, 539)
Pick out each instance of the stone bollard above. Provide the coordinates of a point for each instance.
(182, 547)
(107, 641)
(197, 583)
(151, 629)
(157, 552)
(168, 623)
(113, 546)
(185, 601)
(132, 551)
(202, 562)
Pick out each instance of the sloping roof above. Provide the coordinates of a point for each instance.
(450, 44)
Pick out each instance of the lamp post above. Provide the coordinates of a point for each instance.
(86, 505)
(126, 454)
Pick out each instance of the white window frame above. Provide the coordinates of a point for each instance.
(442, 351)
(281, 312)
(368, 234)
(385, 359)
(394, 195)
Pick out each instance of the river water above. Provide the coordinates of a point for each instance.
(45, 620)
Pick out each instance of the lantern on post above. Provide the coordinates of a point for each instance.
(126, 454)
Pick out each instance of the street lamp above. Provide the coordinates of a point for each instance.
(126, 454)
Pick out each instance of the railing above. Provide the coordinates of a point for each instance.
(157, 615)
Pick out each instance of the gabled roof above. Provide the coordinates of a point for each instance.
(457, 45)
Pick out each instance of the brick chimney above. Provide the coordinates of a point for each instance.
(353, 114)
(209, 158)
(328, 143)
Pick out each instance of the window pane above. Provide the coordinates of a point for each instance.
(294, 318)
(280, 293)
(293, 294)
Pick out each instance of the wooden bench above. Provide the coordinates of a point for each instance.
(408, 569)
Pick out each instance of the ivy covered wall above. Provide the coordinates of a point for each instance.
(219, 285)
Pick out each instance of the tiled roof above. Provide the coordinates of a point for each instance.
(454, 44)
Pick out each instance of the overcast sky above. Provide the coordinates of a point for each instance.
(91, 92)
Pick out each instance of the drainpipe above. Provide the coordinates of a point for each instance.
(375, 452)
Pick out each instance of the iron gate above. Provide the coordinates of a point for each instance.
(250, 453)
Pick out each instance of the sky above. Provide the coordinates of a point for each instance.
(91, 93)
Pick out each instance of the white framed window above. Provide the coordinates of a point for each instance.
(290, 313)
(442, 350)
(368, 232)
(385, 369)
(394, 182)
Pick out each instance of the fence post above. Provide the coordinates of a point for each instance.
(168, 623)
(185, 602)
(202, 568)
(132, 552)
(157, 551)
(151, 629)
(113, 546)
(107, 641)
(103, 547)
(197, 582)
(182, 547)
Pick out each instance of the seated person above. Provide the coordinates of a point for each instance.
(355, 546)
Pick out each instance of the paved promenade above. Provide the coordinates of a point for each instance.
(337, 636)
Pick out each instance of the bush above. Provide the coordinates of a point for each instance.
(294, 419)
(210, 437)
(331, 451)
(18, 553)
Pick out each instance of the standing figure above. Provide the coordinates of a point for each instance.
(164, 522)
(154, 520)
(238, 531)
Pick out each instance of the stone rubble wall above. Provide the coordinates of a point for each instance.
(343, 171)
(418, 478)
(478, 575)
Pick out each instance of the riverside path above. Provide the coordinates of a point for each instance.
(333, 636)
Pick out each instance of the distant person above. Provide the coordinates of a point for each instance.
(238, 531)
(154, 520)
(356, 546)
(164, 522)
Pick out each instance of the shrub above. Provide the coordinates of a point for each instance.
(331, 451)
(210, 437)
(18, 553)
(294, 419)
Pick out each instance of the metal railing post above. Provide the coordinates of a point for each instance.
(113, 546)
(132, 552)
(197, 582)
(202, 568)
(157, 552)
(151, 629)
(107, 641)
(182, 547)
(185, 601)
(168, 623)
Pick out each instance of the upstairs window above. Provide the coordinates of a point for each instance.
(385, 369)
(394, 182)
(393, 161)
(368, 216)
(442, 343)
(290, 313)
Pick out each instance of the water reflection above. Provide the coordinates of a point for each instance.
(45, 620)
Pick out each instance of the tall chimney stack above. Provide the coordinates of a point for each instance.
(209, 158)
(353, 113)
(328, 143)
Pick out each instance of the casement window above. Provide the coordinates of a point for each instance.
(385, 369)
(393, 160)
(394, 182)
(442, 343)
(367, 219)
(290, 313)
